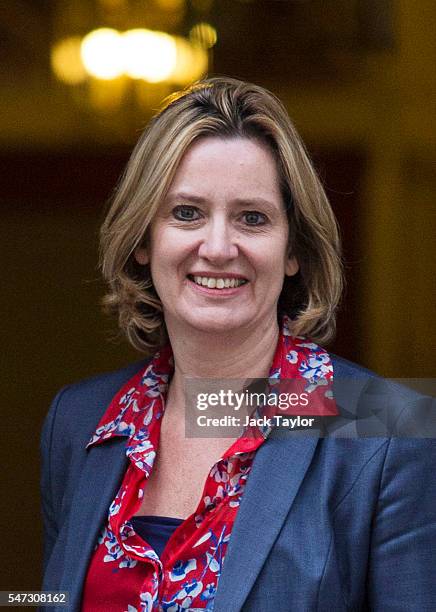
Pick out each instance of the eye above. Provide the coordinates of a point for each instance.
(184, 212)
(253, 217)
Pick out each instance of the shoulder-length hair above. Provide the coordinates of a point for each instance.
(227, 108)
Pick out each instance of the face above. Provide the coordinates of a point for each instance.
(218, 245)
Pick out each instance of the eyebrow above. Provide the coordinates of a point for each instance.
(185, 196)
(251, 201)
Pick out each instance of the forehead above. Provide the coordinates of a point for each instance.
(230, 164)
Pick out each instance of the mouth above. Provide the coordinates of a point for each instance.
(217, 282)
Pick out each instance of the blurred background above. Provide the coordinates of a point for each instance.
(79, 80)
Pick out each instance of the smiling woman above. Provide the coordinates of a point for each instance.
(221, 144)
(222, 258)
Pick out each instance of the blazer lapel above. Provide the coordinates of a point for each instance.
(270, 491)
(101, 477)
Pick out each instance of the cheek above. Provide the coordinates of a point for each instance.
(170, 249)
(270, 256)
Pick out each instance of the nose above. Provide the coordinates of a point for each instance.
(218, 245)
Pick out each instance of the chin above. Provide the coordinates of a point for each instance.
(218, 322)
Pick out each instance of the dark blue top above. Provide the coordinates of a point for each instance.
(155, 530)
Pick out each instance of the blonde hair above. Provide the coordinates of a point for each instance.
(222, 107)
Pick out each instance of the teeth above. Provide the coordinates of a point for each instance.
(218, 283)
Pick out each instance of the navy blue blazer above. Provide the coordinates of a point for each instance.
(325, 523)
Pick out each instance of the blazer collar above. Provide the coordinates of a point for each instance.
(100, 479)
(257, 523)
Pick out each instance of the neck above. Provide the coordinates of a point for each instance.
(197, 354)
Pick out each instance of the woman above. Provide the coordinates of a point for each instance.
(222, 256)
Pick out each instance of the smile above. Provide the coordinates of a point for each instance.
(217, 283)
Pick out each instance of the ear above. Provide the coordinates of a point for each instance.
(291, 266)
(141, 256)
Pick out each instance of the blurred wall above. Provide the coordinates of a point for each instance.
(370, 126)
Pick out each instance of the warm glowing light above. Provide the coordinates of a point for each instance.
(204, 34)
(102, 53)
(66, 62)
(154, 57)
(191, 63)
(149, 55)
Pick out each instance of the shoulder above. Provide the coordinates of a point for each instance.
(344, 367)
(101, 387)
(77, 408)
(379, 407)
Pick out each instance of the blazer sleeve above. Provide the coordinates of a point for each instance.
(401, 575)
(48, 462)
